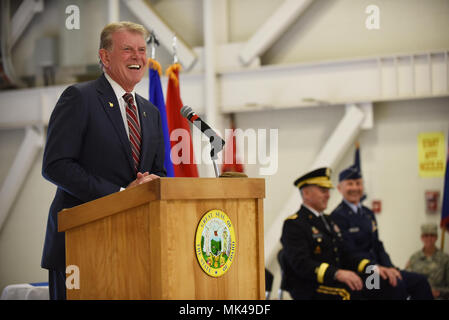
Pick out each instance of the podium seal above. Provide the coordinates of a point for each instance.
(215, 243)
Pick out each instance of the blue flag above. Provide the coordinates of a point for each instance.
(445, 207)
(358, 164)
(157, 98)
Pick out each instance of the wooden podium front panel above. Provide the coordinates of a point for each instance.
(140, 243)
(112, 256)
(244, 279)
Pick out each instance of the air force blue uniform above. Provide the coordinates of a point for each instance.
(360, 235)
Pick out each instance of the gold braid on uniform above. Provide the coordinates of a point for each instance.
(320, 271)
(343, 293)
(362, 265)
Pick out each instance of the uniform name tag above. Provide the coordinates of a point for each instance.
(354, 229)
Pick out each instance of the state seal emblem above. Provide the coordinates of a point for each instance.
(215, 243)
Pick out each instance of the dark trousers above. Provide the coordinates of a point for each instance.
(417, 286)
(56, 284)
(339, 291)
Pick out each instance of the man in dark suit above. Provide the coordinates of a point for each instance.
(358, 226)
(102, 138)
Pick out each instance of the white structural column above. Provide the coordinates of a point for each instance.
(151, 21)
(210, 75)
(332, 151)
(32, 143)
(215, 32)
(113, 11)
(270, 31)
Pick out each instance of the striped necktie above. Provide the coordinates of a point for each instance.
(134, 128)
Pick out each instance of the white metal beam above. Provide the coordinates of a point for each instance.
(151, 21)
(334, 148)
(23, 17)
(271, 87)
(113, 11)
(32, 143)
(336, 82)
(270, 31)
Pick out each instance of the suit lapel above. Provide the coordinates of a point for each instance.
(347, 208)
(112, 109)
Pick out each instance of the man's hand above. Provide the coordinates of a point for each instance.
(391, 274)
(142, 178)
(436, 293)
(350, 278)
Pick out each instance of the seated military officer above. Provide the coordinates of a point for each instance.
(359, 230)
(431, 262)
(314, 261)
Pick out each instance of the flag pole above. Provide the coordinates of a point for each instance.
(443, 232)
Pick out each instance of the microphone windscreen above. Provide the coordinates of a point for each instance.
(186, 111)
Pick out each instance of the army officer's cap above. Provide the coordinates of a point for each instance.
(320, 177)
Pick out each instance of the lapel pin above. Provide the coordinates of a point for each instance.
(111, 104)
(144, 114)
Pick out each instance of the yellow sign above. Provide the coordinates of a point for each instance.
(215, 243)
(431, 154)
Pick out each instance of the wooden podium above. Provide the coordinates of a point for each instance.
(140, 243)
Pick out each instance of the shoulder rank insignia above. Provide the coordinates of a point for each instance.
(292, 217)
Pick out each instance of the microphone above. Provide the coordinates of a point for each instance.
(215, 140)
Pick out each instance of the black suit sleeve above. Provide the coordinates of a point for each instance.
(158, 164)
(65, 137)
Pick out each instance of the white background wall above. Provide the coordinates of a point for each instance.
(328, 29)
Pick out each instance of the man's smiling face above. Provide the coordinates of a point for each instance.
(351, 190)
(125, 62)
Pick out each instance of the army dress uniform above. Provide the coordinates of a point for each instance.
(313, 251)
(312, 254)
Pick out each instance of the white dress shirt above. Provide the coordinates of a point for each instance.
(316, 213)
(119, 92)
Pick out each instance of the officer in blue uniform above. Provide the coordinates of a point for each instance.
(360, 233)
(314, 261)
